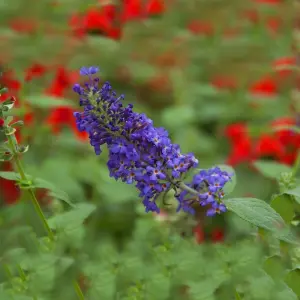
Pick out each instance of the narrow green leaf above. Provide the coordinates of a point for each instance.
(10, 175)
(8, 120)
(54, 191)
(271, 169)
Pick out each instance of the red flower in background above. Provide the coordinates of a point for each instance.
(9, 190)
(268, 146)
(223, 82)
(268, 1)
(108, 19)
(155, 7)
(35, 71)
(63, 115)
(200, 27)
(265, 86)
(23, 25)
(283, 66)
(217, 235)
(240, 140)
(199, 234)
(282, 144)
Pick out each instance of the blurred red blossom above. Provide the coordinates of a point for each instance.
(199, 234)
(34, 71)
(9, 191)
(280, 144)
(265, 86)
(24, 25)
(108, 19)
(218, 235)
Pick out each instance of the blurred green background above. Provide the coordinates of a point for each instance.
(195, 67)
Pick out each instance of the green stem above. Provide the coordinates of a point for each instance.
(78, 291)
(21, 272)
(11, 141)
(13, 146)
(184, 187)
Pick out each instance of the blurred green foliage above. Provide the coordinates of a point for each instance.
(167, 70)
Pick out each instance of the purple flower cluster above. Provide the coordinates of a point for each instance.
(209, 184)
(139, 153)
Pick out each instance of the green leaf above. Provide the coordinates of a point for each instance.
(41, 261)
(292, 279)
(61, 195)
(73, 218)
(287, 236)
(261, 286)
(159, 286)
(40, 183)
(204, 289)
(43, 101)
(170, 116)
(63, 179)
(103, 283)
(115, 191)
(274, 267)
(54, 191)
(256, 212)
(271, 169)
(10, 175)
(283, 204)
(285, 293)
(294, 192)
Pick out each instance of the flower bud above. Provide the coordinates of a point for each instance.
(23, 149)
(286, 181)
(13, 99)
(19, 123)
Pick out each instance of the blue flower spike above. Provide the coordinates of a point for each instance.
(142, 154)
